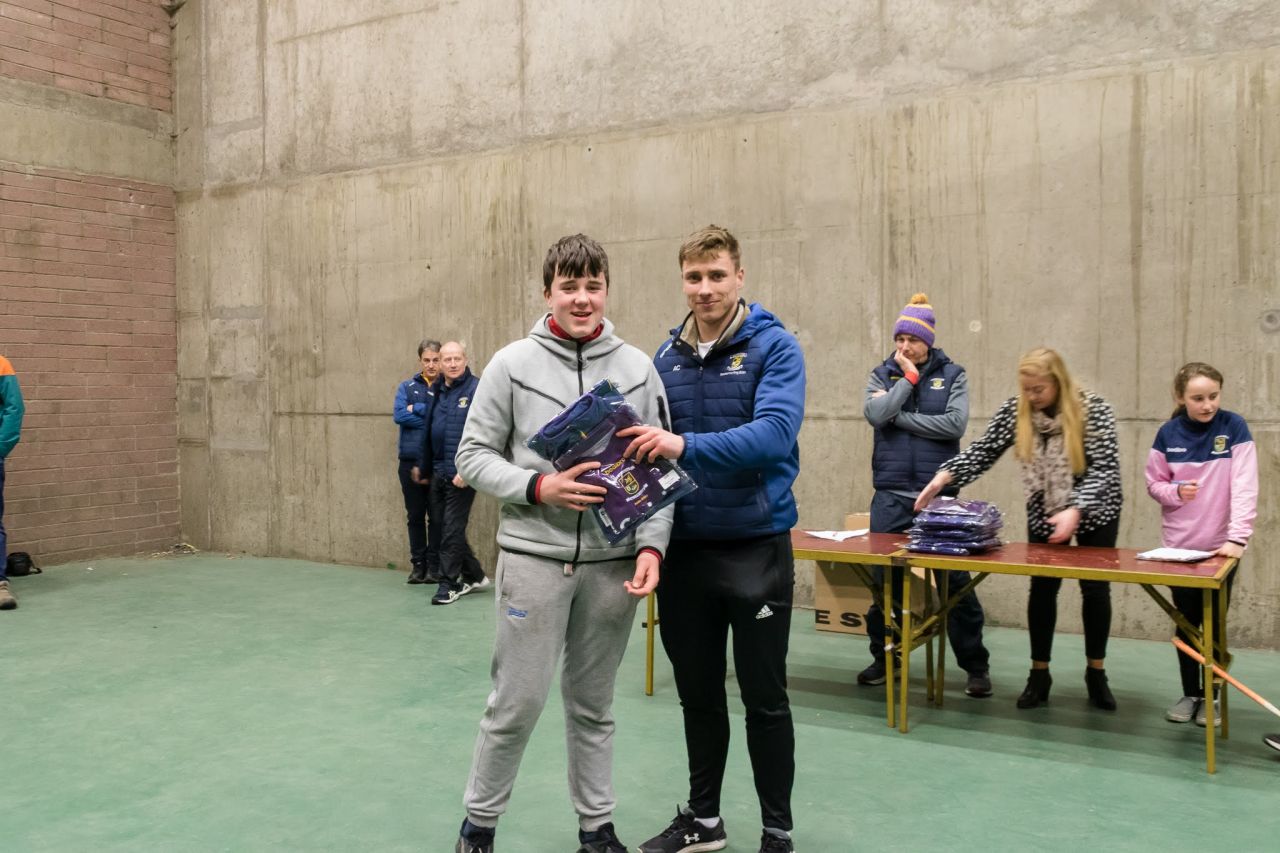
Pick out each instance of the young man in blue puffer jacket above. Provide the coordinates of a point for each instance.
(735, 380)
(411, 411)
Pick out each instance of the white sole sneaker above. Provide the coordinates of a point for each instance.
(1202, 716)
(1184, 711)
(468, 588)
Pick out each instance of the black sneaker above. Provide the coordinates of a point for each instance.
(474, 839)
(873, 675)
(602, 840)
(686, 835)
(447, 593)
(1272, 741)
(770, 843)
(979, 685)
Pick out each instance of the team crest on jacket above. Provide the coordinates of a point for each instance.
(735, 362)
(462, 403)
(936, 383)
(630, 484)
(1220, 444)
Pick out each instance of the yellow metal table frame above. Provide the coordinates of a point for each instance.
(1211, 577)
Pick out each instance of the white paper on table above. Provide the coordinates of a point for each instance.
(1175, 555)
(838, 535)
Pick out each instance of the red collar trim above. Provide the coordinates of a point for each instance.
(565, 336)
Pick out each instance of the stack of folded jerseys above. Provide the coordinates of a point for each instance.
(587, 432)
(953, 526)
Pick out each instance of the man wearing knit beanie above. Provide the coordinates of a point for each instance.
(918, 402)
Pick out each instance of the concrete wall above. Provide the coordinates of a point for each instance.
(87, 294)
(1099, 176)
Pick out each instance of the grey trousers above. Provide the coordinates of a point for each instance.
(544, 614)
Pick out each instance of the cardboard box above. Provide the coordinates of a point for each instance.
(840, 601)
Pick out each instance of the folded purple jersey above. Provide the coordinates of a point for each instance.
(959, 549)
(949, 533)
(953, 514)
(952, 526)
(587, 432)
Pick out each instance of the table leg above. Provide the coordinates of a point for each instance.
(1222, 647)
(1206, 646)
(930, 688)
(890, 646)
(944, 593)
(648, 643)
(906, 643)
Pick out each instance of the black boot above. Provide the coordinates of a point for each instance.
(1099, 693)
(1036, 692)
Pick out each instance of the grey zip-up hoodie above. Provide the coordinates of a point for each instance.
(528, 383)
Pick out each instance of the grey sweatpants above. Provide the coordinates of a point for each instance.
(542, 613)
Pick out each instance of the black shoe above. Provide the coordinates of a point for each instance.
(602, 840)
(979, 685)
(1272, 741)
(1036, 692)
(873, 675)
(432, 577)
(447, 593)
(1095, 680)
(686, 835)
(416, 578)
(770, 843)
(474, 839)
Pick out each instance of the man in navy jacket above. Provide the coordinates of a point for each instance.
(735, 379)
(450, 497)
(411, 411)
(918, 402)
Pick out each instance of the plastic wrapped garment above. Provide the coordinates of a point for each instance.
(953, 526)
(587, 432)
(949, 534)
(955, 514)
(960, 549)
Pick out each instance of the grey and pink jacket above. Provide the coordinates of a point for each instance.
(1220, 456)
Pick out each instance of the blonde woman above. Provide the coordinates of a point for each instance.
(1065, 439)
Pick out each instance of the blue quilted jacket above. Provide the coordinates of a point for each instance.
(739, 412)
(448, 418)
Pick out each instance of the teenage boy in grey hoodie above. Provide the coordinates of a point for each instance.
(562, 589)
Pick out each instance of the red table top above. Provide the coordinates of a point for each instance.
(870, 547)
(1021, 558)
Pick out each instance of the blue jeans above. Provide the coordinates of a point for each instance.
(892, 513)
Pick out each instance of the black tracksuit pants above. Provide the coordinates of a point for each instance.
(452, 505)
(1190, 602)
(708, 588)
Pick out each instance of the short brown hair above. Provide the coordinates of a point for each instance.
(574, 257)
(707, 243)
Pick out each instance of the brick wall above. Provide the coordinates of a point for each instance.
(117, 49)
(88, 318)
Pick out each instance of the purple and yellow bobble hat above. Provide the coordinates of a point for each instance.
(917, 319)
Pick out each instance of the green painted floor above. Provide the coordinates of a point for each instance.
(213, 703)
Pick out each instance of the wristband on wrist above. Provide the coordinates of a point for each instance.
(1238, 542)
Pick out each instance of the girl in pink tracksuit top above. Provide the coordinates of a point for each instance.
(1203, 471)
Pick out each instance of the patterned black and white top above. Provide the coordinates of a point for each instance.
(1096, 492)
